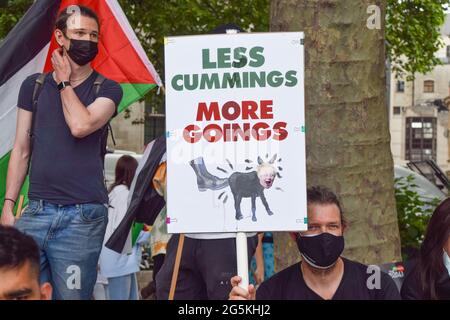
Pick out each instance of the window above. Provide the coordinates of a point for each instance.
(400, 86)
(428, 86)
(448, 51)
(420, 138)
(155, 126)
(397, 110)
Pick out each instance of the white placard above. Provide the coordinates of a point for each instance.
(236, 133)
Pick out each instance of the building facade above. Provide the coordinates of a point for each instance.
(418, 114)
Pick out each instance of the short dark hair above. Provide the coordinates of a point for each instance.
(224, 27)
(16, 249)
(323, 195)
(61, 20)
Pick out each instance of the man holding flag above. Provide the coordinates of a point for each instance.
(67, 211)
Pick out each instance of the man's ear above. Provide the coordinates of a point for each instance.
(46, 291)
(58, 36)
(294, 235)
(344, 228)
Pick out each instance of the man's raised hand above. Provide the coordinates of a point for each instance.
(237, 293)
(61, 65)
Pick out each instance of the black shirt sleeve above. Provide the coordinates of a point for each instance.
(25, 100)
(111, 90)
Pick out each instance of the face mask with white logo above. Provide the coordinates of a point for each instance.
(321, 251)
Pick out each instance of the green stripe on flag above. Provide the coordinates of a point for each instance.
(136, 230)
(132, 93)
(3, 171)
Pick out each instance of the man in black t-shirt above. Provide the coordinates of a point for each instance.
(68, 209)
(323, 273)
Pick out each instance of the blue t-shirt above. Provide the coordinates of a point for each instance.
(64, 169)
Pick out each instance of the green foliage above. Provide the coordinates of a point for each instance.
(413, 34)
(10, 13)
(154, 20)
(414, 212)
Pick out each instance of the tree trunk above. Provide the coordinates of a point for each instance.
(347, 132)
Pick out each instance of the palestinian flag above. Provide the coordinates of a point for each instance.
(27, 49)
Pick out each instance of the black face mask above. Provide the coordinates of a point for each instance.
(321, 251)
(82, 51)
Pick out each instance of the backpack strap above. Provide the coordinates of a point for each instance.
(112, 134)
(39, 83)
(98, 83)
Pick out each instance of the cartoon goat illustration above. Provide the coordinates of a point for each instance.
(242, 184)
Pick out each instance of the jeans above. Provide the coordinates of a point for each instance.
(70, 238)
(123, 288)
(100, 292)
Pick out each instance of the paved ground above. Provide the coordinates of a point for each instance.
(143, 279)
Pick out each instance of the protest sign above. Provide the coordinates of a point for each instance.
(236, 133)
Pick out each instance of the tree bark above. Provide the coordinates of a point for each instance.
(347, 132)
